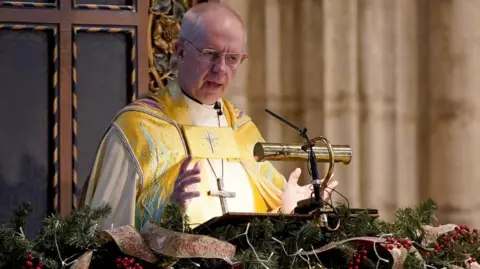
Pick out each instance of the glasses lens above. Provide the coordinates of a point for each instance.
(210, 55)
(232, 59)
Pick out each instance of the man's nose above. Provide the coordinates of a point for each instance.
(219, 65)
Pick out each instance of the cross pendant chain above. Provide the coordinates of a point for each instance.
(221, 193)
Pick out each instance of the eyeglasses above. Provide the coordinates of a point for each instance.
(212, 56)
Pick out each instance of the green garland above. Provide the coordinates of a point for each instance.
(270, 242)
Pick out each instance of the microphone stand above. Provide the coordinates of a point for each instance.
(308, 205)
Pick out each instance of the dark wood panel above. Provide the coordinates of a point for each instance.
(105, 83)
(29, 120)
(105, 4)
(29, 3)
(105, 17)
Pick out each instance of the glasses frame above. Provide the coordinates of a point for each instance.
(242, 56)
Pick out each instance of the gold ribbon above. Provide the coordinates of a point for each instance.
(181, 245)
(153, 240)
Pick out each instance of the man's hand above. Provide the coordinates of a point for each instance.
(184, 189)
(294, 193)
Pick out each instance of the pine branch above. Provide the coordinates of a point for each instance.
(173, 219)
(19, 217)
(269, 242)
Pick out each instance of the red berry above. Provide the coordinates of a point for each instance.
(364, 258)
(29, 264)
(399, 246)
(355, 267)
(38, 267)
(390, 247)
(457, 228)
(475, 230)
(132, 260)
(351, 262)
(474, 260)
(469, 261)
(364, 252)
(357, 261)
(464, 251)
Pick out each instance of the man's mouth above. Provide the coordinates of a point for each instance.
(213, 84)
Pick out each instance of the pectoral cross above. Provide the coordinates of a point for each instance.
(210, 140)
(222, 194)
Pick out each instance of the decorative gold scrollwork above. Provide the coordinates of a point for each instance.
(163, 30)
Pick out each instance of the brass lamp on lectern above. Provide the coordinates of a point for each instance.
(300, 152)
(312, 152)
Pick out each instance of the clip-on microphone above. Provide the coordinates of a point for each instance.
(218, 107)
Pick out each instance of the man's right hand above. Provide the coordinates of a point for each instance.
(182, 190)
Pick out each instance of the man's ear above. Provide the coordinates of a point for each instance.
(243, 58)
(179, 48)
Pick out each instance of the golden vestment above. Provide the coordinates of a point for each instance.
(140, 155)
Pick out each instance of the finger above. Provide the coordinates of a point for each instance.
(187, 182)
(294, 176)
(189, 173)
(198, 165)
(332, 185)
(184, 165)
(185, 196)
(329, 189)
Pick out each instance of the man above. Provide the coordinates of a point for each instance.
(188, 145)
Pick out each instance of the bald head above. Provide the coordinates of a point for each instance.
(204, 16)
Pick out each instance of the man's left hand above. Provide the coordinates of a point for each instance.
(294, 192)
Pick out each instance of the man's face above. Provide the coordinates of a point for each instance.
(209, 61)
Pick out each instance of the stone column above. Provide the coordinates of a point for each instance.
(455, 109)
(406, 85)
(341, 96)
(377, 97)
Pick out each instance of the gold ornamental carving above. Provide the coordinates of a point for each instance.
(163, 30)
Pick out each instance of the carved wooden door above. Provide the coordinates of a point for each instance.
(66, 68)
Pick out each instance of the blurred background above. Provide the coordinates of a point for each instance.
(397, 81)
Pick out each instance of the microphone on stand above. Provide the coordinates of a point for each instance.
(218, 107)
(317, 194)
